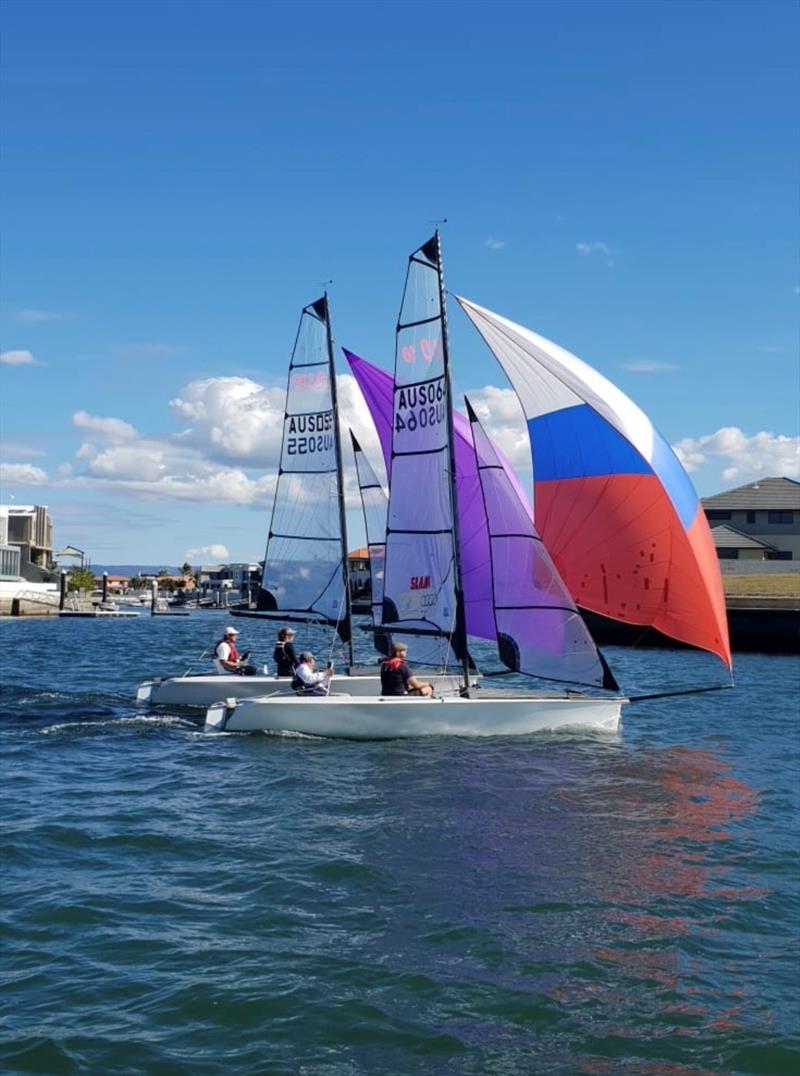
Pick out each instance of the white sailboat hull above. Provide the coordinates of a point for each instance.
(204, 690)
(387, 718)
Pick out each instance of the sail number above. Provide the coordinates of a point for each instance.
(309, 433)
(419, 405)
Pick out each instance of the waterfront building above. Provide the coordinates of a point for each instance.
(358, 566)
(229, 582)
(758, 521)
(26, 553)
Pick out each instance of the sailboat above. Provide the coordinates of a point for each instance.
(305, 576)
(535, 621)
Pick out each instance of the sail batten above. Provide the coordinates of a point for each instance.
(305, 565)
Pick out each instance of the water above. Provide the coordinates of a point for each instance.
(176, 902)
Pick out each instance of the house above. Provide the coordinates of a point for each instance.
(117, 584)
(238, 580)
(759, 521)
(26, 541)
(358, 567)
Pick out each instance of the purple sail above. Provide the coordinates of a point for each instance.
(377, 388)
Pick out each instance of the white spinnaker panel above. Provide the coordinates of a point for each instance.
(303, 569)
(419, 585)
(539, 629)
(548, 378)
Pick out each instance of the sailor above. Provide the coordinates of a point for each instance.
(309, 682)
(286, 661)
(397, 678)
(227, 659)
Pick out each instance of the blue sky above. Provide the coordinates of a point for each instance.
(179, 178)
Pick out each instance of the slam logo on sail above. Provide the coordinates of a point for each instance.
(419, 582)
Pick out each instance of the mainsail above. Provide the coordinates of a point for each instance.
(612, 502)
(539, 629)
(422, 587)
(305, 567)
(431, 651)
(377, 387)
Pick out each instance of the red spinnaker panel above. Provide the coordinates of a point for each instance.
(623, 552)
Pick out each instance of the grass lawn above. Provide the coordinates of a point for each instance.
(762, 586)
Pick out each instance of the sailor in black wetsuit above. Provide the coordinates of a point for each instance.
(396, 677)
(285, 659)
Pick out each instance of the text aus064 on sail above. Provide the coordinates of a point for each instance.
(419, 405)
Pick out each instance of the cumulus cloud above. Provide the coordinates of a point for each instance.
(746, 458)
(207, 553)
(37, 317)
(22, 474)
(232, 419)
(114, 429)
(18, 358)
(494, 244)
(501, 416)
(648, 366)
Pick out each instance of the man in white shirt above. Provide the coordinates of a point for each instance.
(226, 656)
(309, 682)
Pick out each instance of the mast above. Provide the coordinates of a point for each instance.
(348, 611)
(460, 633)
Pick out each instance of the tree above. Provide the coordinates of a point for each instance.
(81, 579)
(186, 568)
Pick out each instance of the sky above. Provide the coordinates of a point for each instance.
(180, 179)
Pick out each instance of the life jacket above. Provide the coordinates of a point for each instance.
(234, 654)
(394, 676)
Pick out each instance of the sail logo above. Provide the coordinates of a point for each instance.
(429, 350)
(311, 382)
(309, 433)
(419, 406)
(419, 582)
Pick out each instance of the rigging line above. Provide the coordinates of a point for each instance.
(686, 691)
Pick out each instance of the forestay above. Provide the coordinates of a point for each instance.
(539, 629)
(305, 563)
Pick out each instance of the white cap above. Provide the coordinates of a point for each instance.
(231, 631)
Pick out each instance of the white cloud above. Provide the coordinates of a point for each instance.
(747, 458)
(648, 366)
(18, 358)
(37, 317)
(603, 249)
(501, 416)
(494, 244)
(22, 474)
(207, 553)
(114, 429)
(232, 419)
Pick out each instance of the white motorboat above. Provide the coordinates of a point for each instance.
(354, 718)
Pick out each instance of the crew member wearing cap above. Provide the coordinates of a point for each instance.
(226, 656)
(286, 661)
(309, 682)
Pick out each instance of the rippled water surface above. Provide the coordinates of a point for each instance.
(181, 902)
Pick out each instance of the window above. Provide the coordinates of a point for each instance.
(751, 517)
(780, 517)
(779, 554)
(728, 554)
(717, 513)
